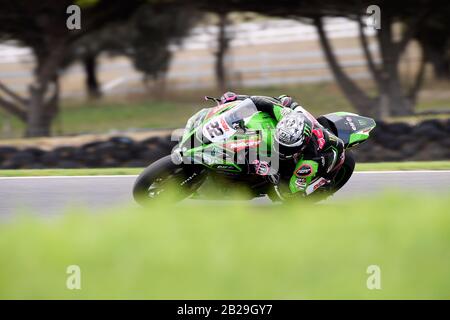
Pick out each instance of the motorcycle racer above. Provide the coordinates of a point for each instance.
(300, 138)
(269, 146)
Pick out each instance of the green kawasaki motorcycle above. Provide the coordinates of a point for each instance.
(219, 144)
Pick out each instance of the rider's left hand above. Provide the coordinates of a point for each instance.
(261, 167)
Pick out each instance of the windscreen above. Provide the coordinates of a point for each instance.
(243, 110)
(223, 126)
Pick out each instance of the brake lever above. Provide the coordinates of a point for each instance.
(240, 125)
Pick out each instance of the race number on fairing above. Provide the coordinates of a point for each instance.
(217, 129)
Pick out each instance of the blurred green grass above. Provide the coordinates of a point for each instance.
(236, 250)
(69, 172)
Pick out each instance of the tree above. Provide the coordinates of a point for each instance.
(86, 51)
(150, 33)
(393, 97)
(41, 26)
(433, 36)
(145, 38)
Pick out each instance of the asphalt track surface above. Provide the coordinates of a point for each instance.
(50, 196)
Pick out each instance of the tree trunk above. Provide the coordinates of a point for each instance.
(92, 84)
(395, 101)
(223, 42)
(38, 124)
(42, 111)
(43, 104)
(357, 97)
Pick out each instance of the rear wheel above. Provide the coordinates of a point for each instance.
(165, 179)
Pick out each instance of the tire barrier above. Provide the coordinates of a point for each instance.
(428, 140)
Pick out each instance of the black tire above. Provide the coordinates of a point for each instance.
(345, 172)
(164, 171)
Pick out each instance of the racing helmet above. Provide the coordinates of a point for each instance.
(292, 134)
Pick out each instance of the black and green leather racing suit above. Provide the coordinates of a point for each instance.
(319, 161)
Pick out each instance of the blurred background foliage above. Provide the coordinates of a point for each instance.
(148, 33)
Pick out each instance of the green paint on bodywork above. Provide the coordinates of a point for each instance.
(293, 186)
(261, 120)
(277, 111)
(357, 137)
(264, 124)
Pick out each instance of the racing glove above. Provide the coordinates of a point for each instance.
(263, 168)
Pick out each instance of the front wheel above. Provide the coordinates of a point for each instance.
(345, 172)
(340, 179)
(165, 179)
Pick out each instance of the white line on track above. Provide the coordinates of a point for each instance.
(134, 176)
(405, 171)
(67, 177)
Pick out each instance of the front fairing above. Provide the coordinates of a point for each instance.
(224, 152)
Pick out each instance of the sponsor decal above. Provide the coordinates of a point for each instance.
(224, 124)
(318, 185)
(242, 144)
(304, 170)
(225, 167)
(320, 139)
(300, 183)
(315, 185)
(350, 122)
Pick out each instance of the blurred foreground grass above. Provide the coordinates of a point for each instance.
(210, 250)
(379, 166)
